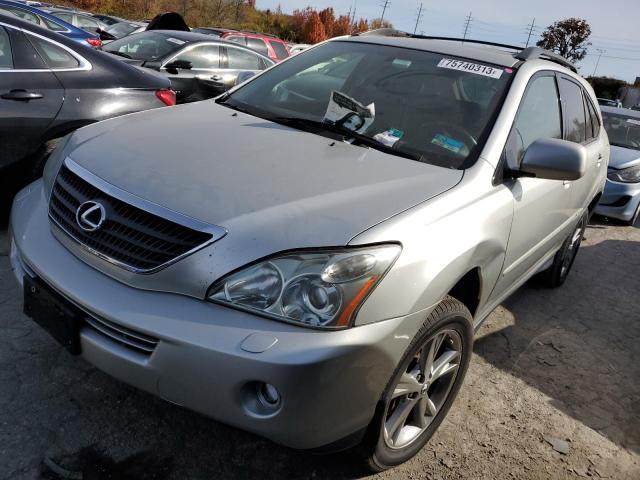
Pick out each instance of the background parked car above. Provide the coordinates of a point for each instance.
(621, 198)
(50, 86)
(43, 19)
(121, 30)
(84, 21)
(606, 102)
(199, 66)
(108, 19)
(267, 45)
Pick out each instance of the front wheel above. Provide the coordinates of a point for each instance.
(422, 388)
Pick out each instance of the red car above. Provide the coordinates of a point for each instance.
(267, 45)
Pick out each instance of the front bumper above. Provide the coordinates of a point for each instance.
(330, 382)
(619, 200)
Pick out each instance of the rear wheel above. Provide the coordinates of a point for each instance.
(556, 275)
(422, 388)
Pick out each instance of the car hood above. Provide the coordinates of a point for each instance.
(258, 179)
(623, 157)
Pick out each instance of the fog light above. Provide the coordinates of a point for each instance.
(268, 395)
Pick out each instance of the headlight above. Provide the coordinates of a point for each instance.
(627, 175)
(54, 162)
(321, 289)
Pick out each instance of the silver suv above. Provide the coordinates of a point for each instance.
(307, 257)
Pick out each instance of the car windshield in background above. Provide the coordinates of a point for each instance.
(122, 29)
(623, 130)
(417, 104)
(144, 46)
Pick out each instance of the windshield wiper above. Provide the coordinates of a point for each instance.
(346, 133)
(120, 54)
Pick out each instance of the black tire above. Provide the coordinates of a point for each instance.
(449, 315)
(558, 272)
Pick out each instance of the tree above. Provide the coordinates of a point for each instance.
(377, 23)
(314, 29)
(606, 87)
(568, 38)
(328, 19)
(361, 26)
(342, 26)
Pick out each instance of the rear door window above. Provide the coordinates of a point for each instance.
(6, 58)
(237, 39)
(595, 118)
(67, 17)
(258, 45)
(574, 115)
(54, 56)
(280, 49)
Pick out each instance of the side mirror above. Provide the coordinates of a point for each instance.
(554, 159)
(243, 77)
(176, 65)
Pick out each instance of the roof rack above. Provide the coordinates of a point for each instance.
(540, 53)
(523, 54)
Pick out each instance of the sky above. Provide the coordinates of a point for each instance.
(614, 25)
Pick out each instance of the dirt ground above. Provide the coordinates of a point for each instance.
(561, 365)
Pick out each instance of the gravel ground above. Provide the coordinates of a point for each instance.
(550, 367)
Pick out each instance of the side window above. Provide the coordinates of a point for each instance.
(574, 117)
(54, 56)
(538, 117)
(85, 22)
(24, 15)
(239, 59)
(595, 118)
(65, 17)
(280, 49)
(6, 59)
(258, 45)
(56, 27)
(204, 56)
(588, 125)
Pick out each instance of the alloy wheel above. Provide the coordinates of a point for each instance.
(422, 389)
(572, 250)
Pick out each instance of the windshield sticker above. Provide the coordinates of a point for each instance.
(399, 62)
(470, 67)
(389, 137)
(175, 40)
(633, 121)
(448, 143)
(348, 112)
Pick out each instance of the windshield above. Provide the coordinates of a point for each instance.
(430, 106)
(144, 46)
(623, 130)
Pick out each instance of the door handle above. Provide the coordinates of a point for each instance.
(599, 162)
(21, 95)
(216, 78)
(566, 184)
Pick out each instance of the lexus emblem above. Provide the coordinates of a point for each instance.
(90, 216)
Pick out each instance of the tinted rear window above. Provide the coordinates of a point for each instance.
(280, 49)
(575, 126)
(145, 46)
(258, 45)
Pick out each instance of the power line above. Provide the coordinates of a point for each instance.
(418, 18)
(531, 26)
(467, 23)
(384, 6)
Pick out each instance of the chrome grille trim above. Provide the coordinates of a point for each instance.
(124, 336)
(127, 231)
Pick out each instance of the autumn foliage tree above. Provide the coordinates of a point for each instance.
(568, 38)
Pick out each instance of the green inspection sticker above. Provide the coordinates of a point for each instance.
(448, 143)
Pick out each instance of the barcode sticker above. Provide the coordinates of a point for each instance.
(470, 67)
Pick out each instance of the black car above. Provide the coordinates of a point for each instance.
(198, 65)
(51, 85)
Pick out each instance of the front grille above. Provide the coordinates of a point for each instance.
(126, 337)
(130, 237)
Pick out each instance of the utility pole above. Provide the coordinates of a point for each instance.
(531, 26)
(600, 52)
(384, 6)
(467, 24)
(418, 18)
